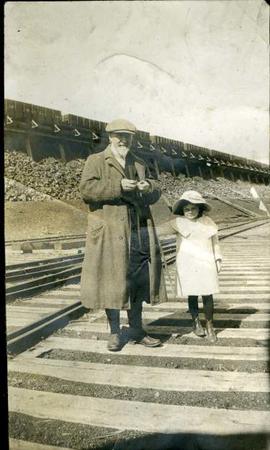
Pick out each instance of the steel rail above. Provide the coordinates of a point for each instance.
(40, 284)
(32, 272)
(26, 337)
(46, 239)
(39, 262)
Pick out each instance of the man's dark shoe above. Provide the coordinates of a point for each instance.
(114, 343)
(149, 341)
(140, 337)
(197, 327)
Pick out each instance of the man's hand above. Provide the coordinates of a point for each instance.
(128, 185)
(143, 186)
(218, 263)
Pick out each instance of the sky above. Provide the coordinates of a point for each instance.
(196, 71)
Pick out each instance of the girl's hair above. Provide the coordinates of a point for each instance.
(202, 208)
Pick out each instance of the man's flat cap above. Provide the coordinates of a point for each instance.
(120, 126)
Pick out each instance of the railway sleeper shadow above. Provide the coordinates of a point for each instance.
(184, 320)
(182, 325)
(220, 324)
(193, 441)
(243, 310)
(218, 310)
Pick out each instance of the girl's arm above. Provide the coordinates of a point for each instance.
(168, 228)
(217, 251)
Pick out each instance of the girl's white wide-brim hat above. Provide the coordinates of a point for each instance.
(193, 197)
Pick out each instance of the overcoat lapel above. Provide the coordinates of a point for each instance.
(139, 167)
(140, 170)
(134, 167)
(112, 161)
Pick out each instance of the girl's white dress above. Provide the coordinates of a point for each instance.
(197, 252)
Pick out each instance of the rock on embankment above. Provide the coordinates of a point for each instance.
(33, 191)
(50, 176)
(18, 192)
(174, 187)
(60, 180)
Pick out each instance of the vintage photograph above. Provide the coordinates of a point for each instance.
(137, 224)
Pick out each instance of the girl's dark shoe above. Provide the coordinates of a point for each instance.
(210, 332)
(197, 327)
(114, 343)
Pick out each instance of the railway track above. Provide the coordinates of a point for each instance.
(46, 239)
(32, 318)
(25, 279)
(69, 391)
(51, 242)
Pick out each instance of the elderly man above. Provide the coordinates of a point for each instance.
(122, 264)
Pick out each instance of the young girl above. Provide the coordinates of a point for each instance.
(198, 258)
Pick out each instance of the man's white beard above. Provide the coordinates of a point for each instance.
(122, 151)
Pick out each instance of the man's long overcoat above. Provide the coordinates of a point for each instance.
(104, 273)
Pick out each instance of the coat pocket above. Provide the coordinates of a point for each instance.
(95, 228)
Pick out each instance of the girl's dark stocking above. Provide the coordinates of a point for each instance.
(193, 306)
(208, 304)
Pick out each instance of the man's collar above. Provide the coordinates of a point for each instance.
(112, 160)
(108, 152)
(131, 157)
